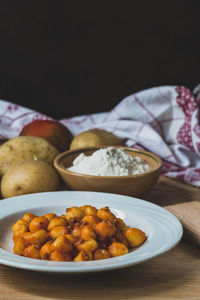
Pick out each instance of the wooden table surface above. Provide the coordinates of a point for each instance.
(173, 275)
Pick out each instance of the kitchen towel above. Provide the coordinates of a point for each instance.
(163, 120)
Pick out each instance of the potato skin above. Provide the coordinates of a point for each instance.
(94, 138)
(30, 176)
(24, 148)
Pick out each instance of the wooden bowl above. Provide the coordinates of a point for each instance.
(131, 185)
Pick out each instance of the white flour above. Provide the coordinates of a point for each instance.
(109, 162)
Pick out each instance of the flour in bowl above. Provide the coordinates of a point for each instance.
(109, 162)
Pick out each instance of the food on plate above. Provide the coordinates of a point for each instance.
(94, 138)
(29, 176)
(81, 234)
(109, 161)
(117, 249)
(134, 236)
(54, 132)
(24, 148)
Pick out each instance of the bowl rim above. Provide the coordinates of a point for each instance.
(60, 168)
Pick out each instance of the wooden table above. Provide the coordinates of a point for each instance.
(173, 275)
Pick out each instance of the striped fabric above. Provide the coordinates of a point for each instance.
(163, 120)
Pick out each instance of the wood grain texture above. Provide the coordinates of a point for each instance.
(189, 214)
(183, 201)
(173, 275)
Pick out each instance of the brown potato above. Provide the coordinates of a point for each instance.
(24, 148)
(30, 176)
(94, 138)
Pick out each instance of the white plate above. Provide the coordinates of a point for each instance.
(163, 229)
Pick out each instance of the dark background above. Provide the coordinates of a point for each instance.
(66, 58)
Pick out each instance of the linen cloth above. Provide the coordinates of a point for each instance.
(163, 120)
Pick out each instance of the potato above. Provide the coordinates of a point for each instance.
(29, 176)
(25, 147)
(94, 138)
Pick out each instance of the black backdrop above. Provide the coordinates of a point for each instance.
(67, 58)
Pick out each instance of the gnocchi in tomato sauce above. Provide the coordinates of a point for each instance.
(81, 234)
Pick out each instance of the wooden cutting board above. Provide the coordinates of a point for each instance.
(182, 201)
